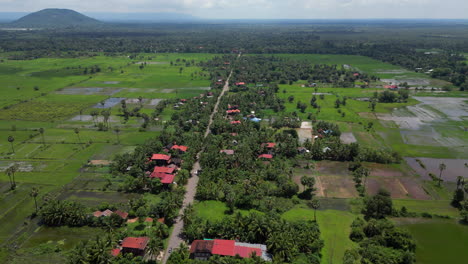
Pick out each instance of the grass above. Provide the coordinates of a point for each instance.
(216, 210)
(439, 207)
(439, 241)
(334, 228)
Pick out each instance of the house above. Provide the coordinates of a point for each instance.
(270, 145)
(167, 170)
(235, 122)
(164, 177)
(115, 252)
(233, 112)
(161, 158)
(108, 212)
(180, 148)
(240, 83)
(135, 245)
(391, 87)
(204, 249)
(227, 151)
(356, 74)
(265, 156)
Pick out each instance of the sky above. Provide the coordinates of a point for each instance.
(259, 9)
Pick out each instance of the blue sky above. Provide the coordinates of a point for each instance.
(271, 9)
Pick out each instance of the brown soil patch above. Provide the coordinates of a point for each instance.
(394, 186)
(100, 162)
(332, 168)
(415, 189)
(337, 187)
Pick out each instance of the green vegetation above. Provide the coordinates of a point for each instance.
(439, 241)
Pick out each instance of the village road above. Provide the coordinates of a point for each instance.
(191, 187)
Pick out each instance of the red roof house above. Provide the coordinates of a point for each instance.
(204, 249)
(235, 111)
(161, 157)
(115, 252)
(240, 83)
(122, 214)
(168, 170)
(235, 122)
(135, 245)
(181, 148)
(266, 156)
(270, 145)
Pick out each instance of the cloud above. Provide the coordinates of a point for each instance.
(260, 8)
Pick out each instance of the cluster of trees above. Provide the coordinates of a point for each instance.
(61, 213)
(392, 97)
(380, 242)
(460, 198)
(286, 241)
(359, 173)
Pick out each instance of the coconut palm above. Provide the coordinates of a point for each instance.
(34, 193)
(117, 131)
(41, 131)
(11, 139)
(442, 167)
(315, 204)
(10, 171)
(77, 132)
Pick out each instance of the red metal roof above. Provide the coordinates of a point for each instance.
(270, 145)
(223, 247)
(235, 122)
(135, 242)
(97, 214)
(121, 214)
(181, 148)
(161, 157)
(168, 170)
(202, 246)
(115, 252)
(240, 83)
(247, 252)
(266, 156)
(227, 151)
(168, 178)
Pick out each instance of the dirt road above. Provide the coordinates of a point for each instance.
(191, 187)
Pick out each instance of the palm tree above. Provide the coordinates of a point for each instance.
(117, 131)
(94, 114)
(315, 204)
(187, 215)
(442, 167)
(460, 182)
(11, 139)
(41, 131)
(77, 132)
(11, 174)
(34, 192)
(154, 247)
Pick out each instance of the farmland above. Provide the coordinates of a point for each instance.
(46, 106)
(66, 122)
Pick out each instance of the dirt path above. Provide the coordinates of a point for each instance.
(176, 236)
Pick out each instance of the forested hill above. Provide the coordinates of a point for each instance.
(54, 18)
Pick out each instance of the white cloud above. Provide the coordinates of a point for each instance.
(260, 8)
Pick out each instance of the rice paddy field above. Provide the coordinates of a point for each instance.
(59, 95)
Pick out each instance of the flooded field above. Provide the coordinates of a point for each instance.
(455, 168)
(111, 102)
(89, 91)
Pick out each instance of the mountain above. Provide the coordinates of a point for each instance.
(54, 18)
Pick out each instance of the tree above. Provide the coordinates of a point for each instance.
(34, 193)
(442, 167)
(10, 171)
(308, 182)
(11, 139)
(117, 131)
(378, 206)
(315, 204)
(188, 214)
(77, 132)
(41, 131)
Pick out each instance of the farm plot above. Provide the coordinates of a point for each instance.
(455, 167)
(89, 91)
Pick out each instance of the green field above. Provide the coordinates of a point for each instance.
(56, 95)
(334, 228)
(439, 241)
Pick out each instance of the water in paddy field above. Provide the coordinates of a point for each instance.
(110, 102)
